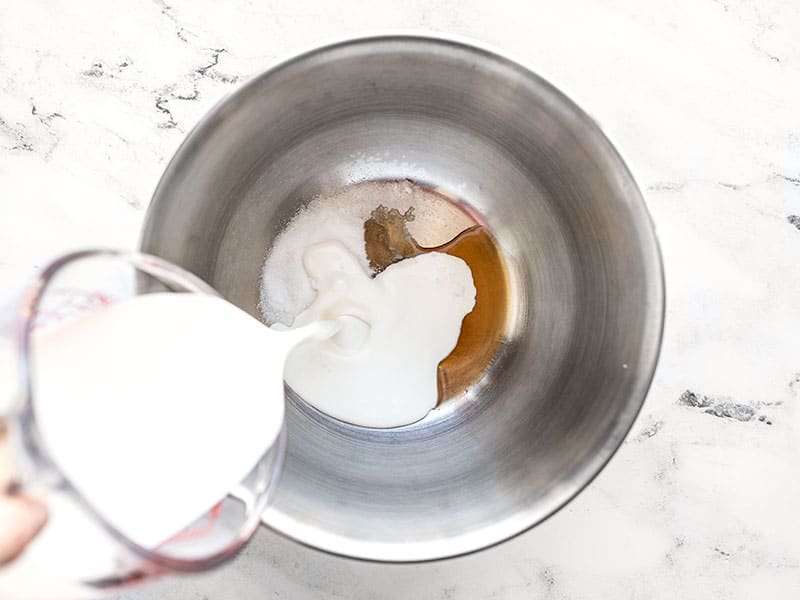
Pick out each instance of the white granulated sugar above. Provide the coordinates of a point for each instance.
(286, 289)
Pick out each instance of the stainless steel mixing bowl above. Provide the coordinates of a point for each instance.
(588, 295)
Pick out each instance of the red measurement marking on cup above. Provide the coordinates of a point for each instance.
(70, 303)
(200, 529)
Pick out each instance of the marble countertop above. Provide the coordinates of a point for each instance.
(703, 96)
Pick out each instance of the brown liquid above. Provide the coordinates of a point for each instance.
(388, 241)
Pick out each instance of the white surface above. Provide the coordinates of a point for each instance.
(102, 384)
(378, 347)
(703, 98)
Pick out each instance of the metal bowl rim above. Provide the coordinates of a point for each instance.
(521, 521)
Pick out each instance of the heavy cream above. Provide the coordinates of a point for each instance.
(285, 287)
(380, 368)
(156, 407)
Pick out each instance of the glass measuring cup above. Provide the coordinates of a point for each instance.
(79, 553)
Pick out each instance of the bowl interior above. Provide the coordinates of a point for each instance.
(582, 257)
